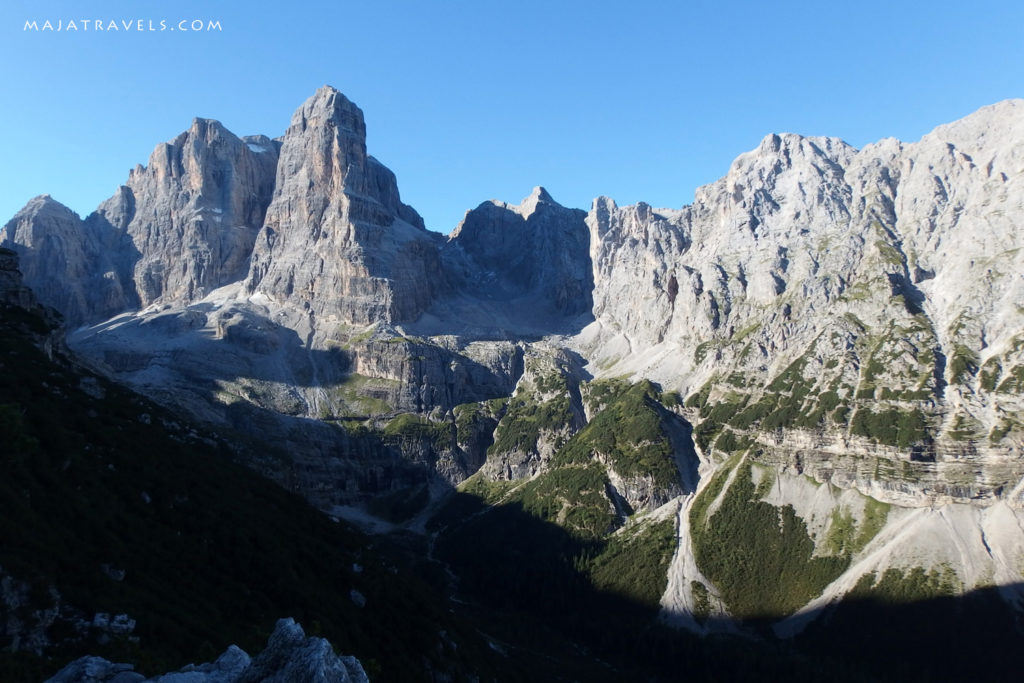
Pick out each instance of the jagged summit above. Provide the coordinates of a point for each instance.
(337, 238)
(42, 203)
(66, 263)
(992, 137)
(329, 104)
(531, 257)
(536, 198)
(525, 208)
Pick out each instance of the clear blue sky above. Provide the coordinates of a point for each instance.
(468, 101)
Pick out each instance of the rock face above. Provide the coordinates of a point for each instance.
(192, 214)
(12, 291)
(289, 656)
(880, 278)
(337, 240)
(852, 316)
(533, 256)
(71, 265)
(181, 227)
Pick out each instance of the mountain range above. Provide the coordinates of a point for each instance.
(800, 391)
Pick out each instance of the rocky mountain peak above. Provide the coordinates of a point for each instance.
(191, 215)
(40, 204)
(537, 197)
(992, 137)
(337, 239)
(64, 260)
(329, 107)
(536, 251)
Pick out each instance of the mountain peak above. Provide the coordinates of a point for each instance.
(43, 204)
(538, 196)
(329, 107)
(541, 194)
(993, 135)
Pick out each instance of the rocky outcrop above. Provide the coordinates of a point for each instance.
(192, 213)
(289, 656)
(182, 226)
(71, 265)
(534, 256)
(337, 241)
(13, 292)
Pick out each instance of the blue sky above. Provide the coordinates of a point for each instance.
(468, 101)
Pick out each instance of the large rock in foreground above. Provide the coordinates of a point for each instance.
(289, 656)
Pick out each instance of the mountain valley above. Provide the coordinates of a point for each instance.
(784, 420)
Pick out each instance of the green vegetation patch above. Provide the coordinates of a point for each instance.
(698, 511)
(525, 419)
(963, 365)
(759, 556)
(845, 538)
(701, 600)
(990, 372)
(487, 490)
(897, 586)
(892, 426)
(1014, 381)
(361, 395)
(699, 398)
(634, 564)
(573, 497)
(729, 442)
(416, 427)
(964, 428)
(476, 420)
(629, 433)
(601, 392)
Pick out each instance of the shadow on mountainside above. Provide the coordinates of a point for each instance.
(203, 345)
(527, 583)
(209, 551)
(261, 382)
(126, 509)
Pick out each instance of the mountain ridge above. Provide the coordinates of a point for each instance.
(820, 312)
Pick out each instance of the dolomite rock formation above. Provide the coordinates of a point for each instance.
(883, 281)
(182, 226)
(805, 235)
(533, 256)
(851, 316)
(337, 240)
(192, 213)
(289, 656)
(71, 265)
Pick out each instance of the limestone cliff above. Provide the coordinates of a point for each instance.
(71, 265)
(337, 241)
